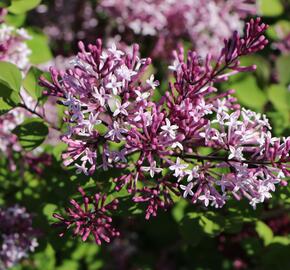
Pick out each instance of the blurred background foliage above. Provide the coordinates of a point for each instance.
(186, 237)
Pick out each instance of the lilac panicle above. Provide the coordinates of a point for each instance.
(17, 236)
(113, 123)
(91, 218)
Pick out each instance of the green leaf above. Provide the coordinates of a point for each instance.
(4, 106)
(31, 133)
(265, 232)
(41, 52)
(10, 82)
(178, 210)
(10, 75)
(22, 6)
(249, 94)
(282, 65)
(31, 85)
(16, 20)
(211, 223)
(263, 70)
(48, 211)
(280, 98)
(271, 8)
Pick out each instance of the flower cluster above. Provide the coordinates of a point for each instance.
(170, 20)
(194, 142)
(92, 219)
(12, 45)
(105, 97)
(17, 236)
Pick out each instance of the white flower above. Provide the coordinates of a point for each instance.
(147, 115)
(233, 120)
(152, 169)
(114, 51)
(114, 84)
(206, 198)
(82, 168)
(205, 108)
(100, 95)
(221, 117)
(280, 175)
(264, 193)
(93, 120)
(193, 173)
(177, 144)
(89, 156)
(175, 66)
(141, 96)
(254, 201)
(187, 189)
(116, 131)
(169, 130)
(236, 153)
(151, 82)
(178, 168)
(125, 73)
(221, 105)
(121, 108)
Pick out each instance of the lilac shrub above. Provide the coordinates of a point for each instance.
(17, 236)
(195, 142)
(170, 20)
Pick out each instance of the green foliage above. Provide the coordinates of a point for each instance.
(271, 8)
(31, 85)
(31, 133)
(22, 6)
(283, 69)
(264, 232)
(16, 20)
(10, 76)
(249, 93)
(39, 43)
(10, 82)
(280, 98)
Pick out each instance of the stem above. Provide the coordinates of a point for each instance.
(39, 115)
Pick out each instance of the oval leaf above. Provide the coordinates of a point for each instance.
(31, 85)
(11, 76)
(31, 133)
